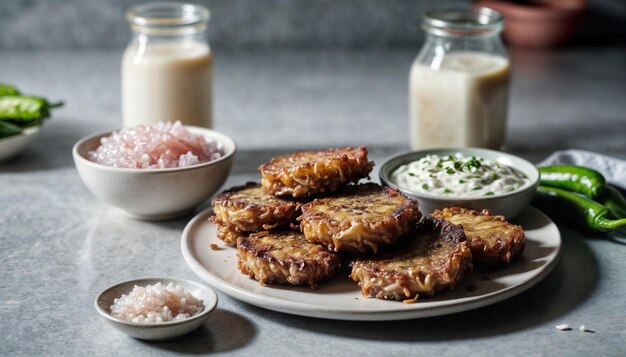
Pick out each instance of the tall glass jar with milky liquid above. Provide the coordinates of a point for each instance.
(459, 81)
(167, 66)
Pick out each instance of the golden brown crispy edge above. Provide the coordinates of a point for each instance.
(359, 234)
(249, 216)
(305, 179)
(495, 249)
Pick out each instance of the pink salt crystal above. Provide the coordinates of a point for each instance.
(160, 146)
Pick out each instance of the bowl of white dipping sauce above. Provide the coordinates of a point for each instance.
(157, 308)
(463, 177)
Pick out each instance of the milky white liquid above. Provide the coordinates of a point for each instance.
(463, 103)
(167, 82)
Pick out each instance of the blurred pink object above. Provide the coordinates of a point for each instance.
(538, 23)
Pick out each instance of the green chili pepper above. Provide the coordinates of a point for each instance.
(23, 109)
(615, 202)
(576, 209)
(574, 178)
(18, 112)
(6, 89)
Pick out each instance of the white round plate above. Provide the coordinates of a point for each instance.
(341, 299)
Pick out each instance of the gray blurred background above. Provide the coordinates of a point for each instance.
(336, 70)
(88, 24)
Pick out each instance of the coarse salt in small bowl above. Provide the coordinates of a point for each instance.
(149, 330)
(157, 193)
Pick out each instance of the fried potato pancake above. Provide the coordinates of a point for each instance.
(438, 258)
(309, 173)
(359, 219)
(492, 239)
(228, 234)
(249, 208)
(285, 257)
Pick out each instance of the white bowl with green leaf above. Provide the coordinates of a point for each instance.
(20, 119)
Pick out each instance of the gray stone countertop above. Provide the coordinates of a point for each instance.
(59, 246)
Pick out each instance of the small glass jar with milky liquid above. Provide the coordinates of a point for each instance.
(167, 66)
(459, 81)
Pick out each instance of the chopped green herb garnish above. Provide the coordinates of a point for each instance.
(447, 190)
(458, 165)
(476, 188)
(425, 186)
(495, 176)
(450, 171)
(484, 181)
(489, 193)
(462, 181)
(439, 164)
(411, 174)
(473, 162)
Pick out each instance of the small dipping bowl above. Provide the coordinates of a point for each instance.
(160, 331)
(155, 194)
(507, 204)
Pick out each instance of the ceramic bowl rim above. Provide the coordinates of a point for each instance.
(141, 281)
(220, 137)
(401, 159)
(26, 132)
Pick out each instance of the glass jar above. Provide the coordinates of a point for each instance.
(459, 81)
(167, 66)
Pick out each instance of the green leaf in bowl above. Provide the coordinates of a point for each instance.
(7, 129)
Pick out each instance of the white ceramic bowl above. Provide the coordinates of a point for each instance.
(155, 194)
(12, 145)
(507, 204)
(156, 331)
